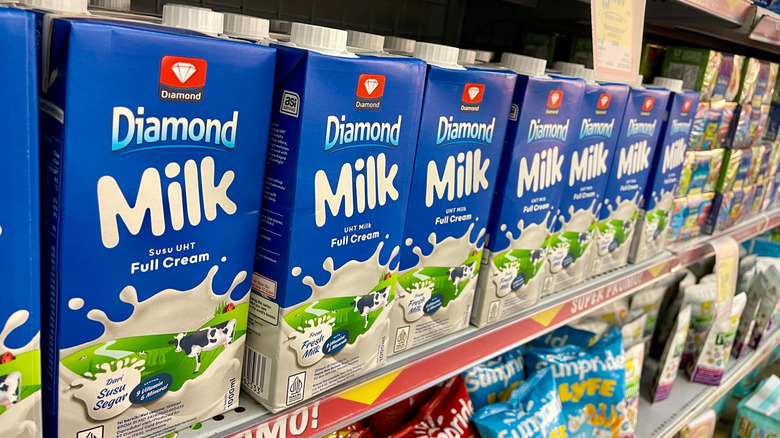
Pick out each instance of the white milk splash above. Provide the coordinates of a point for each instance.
(106, 393)
(16, 320)
(355, 278)
(450, 252)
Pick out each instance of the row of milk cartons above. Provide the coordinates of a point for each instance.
(385, 177)
(384, 200)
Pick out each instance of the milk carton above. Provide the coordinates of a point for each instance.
(574, 227)
(20, 371)
(631, 166)
(658, 199)
(530, 182)
(151, 187)
(464, 119)
(343, 136)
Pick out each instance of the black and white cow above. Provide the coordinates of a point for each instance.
(538, 255)
(205, 339)
(9, 389)
(462, 273)
(583, 238)
(370, 302)
(627, 227)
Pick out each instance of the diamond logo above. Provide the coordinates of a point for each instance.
(603, 103)
(471, 98)
(183, 71)
(182, 79)
(371, 85)
(473, 91)
(648, 104)
(686, 106)
(604, 100)
(554, 98)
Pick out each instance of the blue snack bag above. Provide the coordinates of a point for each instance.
(533, 410)
(564, 335)
(591, 385)
(493, 381)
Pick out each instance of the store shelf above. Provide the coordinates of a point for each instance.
(687, 400)
(696, 249)
(419, 368)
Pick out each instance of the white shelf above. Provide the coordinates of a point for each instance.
(687, 400)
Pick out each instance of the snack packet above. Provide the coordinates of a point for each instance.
(493, 381)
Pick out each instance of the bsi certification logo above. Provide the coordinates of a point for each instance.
(182, 79)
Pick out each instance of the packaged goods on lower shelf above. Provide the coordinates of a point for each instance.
(710, 363)
(703, 426)
(533, 408)
(758, 415)
(448, 411)
(493, 381)
(669, 363)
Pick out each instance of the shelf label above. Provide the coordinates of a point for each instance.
(617, 27)
(726, 266)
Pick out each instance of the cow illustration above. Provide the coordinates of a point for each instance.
(462, 273)
(627, 227)
(538, 255)
(370, 302)
(9, 389)
(205, 339)
(584, 238)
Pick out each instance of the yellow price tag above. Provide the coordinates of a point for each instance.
(726, 266)
(617, 27)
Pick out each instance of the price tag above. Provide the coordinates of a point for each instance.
(617, 27)
(726, 266)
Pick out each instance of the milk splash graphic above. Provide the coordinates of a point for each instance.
(615, 233)
(657, 220)
(80, 393)
(576, 234)
(117, 379)
(417, 285)
(20, 419)
(332, 309)
(515, 268)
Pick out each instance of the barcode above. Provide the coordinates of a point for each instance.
(256, 372)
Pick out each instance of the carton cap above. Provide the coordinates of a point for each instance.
(569, 68)
(193, 18)
(71, 6)
(246, 26)
(669, 83)
(367, 41)
(281, 26)
(589, 75)
(524, 64)
(437, 54)
(399, 45)
(114, 5)
(484, 56)
(318, 37)
(466, 57)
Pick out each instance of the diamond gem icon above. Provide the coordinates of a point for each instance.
(371, 85)
(604, 100)
(473, 91)
(554, 98)
(183, 71)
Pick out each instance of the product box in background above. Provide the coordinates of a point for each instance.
(20, 368)
(462, 128)
(149, 193)
(574, 226)
(530, 182)
(697, 68)
(758, 413)
(631, 166)
(656, 209)
(334, 204)
(651, 63)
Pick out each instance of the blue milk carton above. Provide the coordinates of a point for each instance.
(631, 166)
(20, 371)
(464, 119)
(530, 181)
(658, 200)
(574, 227)
(341, 152)
(151, 195)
